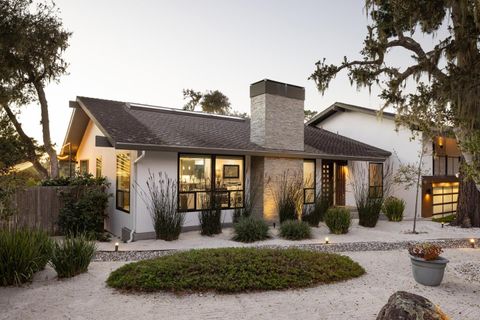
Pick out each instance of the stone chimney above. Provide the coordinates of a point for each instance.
(277, 115)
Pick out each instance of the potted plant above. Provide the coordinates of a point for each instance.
(427, 265)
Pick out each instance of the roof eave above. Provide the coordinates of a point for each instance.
(272, 153)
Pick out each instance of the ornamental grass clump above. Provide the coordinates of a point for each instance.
(234, 270)
(250, 229)
(72, 255)
(287, 191)
(22, 253)
(295, 230)
(211, 219)
(161, 201)
(393, 208)
(338, 220)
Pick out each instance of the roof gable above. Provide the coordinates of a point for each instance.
(338, 107)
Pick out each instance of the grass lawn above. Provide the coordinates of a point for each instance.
(232, 270)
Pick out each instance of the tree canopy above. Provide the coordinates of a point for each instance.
(210, 101)
(446, 97)
(32, 41)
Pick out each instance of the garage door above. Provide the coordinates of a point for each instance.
(445, 198)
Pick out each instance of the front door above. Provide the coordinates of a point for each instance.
(340, 183)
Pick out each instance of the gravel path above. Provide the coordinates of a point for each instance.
(334, 247)
(86, 297)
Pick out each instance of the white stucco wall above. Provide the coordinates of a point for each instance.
(380, 132)
(88, 151)
(166, 162)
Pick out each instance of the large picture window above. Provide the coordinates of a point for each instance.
(123, 182)
(375, 177)
(209, 180)
(309, 181)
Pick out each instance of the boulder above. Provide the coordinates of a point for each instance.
(408, 306)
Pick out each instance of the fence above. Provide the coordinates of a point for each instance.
(36, 207)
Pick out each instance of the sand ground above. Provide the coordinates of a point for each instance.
(87, 297)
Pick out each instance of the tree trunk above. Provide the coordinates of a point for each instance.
(47, 141)
(468, 210)
(31, 152)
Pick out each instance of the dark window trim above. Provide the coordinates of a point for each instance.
(370, 187)
(116, 184)
(314, 181)
(212, 190)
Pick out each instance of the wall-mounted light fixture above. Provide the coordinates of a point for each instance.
(429, 191)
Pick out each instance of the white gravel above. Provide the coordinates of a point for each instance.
(87, 297)
(385, 231)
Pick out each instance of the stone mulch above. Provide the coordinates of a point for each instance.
(333, 247)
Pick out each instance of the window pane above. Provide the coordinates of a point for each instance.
(376, 179)
(439, 168)
(186, 201)
(236, 199)
(228, 173)
(203, 200)
(309, 173)
(98, 167)
(437, 199)
(309, 195)
(195, 173)
(83, 166)
(123, 181)
(221, 199)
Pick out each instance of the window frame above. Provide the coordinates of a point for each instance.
(99, 169)
(212, 191)
(80, 166)
(129, 183)
(443, 159)
(375, 186)
(314, 182)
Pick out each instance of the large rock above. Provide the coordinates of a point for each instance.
(408, 306)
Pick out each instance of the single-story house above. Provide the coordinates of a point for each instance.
(208, 153)
(438, 195)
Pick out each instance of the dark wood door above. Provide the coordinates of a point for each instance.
(340, 183)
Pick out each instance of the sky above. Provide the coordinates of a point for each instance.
(148, 51)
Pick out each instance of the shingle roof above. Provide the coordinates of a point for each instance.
(134, 126)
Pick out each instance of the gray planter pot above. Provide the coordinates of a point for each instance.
(428, 273)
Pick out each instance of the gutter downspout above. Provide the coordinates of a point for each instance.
(134, 215)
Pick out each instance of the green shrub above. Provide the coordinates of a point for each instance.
(72, 255)
(233, 270)
(161, 201)
(22, 253)
(445, 219)
(338, 220)
(295, 230)
(393, 208)
(84, 211)
(314, 214)
(369, 211)
(249, 229)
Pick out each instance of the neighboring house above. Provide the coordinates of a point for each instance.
(207, 153)
(441, 160)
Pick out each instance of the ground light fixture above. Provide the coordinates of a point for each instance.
(443, 223)
(327, 241)
(116, 246)
(472, 243)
